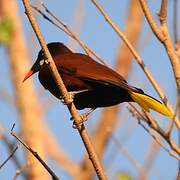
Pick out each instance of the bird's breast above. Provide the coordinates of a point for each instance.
(72, 83)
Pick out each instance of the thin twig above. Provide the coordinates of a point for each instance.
(163, 12)
(154, 26)
(10, 156)
(86, 48)
(175, 21)
(160, 32)
(64, 27)
(170, 152)
(35, 154)
(68, 101)
(138, 60)
(9, 147)
(108, 120)
(153, 124)
(21, 170)
(173, 119)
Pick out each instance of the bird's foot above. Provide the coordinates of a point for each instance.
(75, 126)
(71, 96)
(84, 117)
(62, 100)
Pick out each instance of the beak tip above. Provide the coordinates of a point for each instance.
(23, 80)
(30, 73)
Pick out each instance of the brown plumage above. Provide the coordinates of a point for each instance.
(104, 87)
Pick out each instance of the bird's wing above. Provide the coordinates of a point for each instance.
(88, 70)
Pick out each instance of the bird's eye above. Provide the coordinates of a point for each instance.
(41, 62)
(46, 61)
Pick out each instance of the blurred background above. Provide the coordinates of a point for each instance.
(126, 150)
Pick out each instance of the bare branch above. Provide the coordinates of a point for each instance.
(9, 147)
(10, 156)
(149, 17)
(109, 116)
(163, 12)
(173, 119)
(166, 40)
(170, 152)
(175, 21)
(138, 59)
(27, 102)
(21, 170)
(64, 27)
(74, 113)
(153, 124)
(35, 154)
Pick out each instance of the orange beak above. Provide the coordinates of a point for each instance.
(29, 74)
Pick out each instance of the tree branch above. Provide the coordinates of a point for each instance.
(35, 154)
(163, 12)
(160, 32)
(74, 113)
(109, 116)
(10, 156)
(64, 27)
(138, 60)
(154, 125)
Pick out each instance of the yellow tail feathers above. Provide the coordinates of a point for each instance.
(147, 102)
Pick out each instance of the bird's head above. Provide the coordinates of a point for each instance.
(55, 48)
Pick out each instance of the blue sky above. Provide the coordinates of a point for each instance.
(98, 35)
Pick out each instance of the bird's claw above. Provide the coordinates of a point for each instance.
(70, 99)
(84, 118)
(62, 100)
(71, 96)
(75, 125)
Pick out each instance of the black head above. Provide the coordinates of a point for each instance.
(55, 48)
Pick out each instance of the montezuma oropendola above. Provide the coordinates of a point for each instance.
(94, 84)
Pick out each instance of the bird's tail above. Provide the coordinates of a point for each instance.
(147, 102)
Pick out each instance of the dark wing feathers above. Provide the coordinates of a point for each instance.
(86, 69)
(90, 71)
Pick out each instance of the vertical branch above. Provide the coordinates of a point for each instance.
(162, 33)
(163, 12)
(75, 115)
(27, 104)
(35, 154)
(140, 61)
(62, 26)
(9, 147)
(153, 24)
(108, 119)
(175, 21)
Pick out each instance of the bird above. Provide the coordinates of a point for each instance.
(92, 84)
